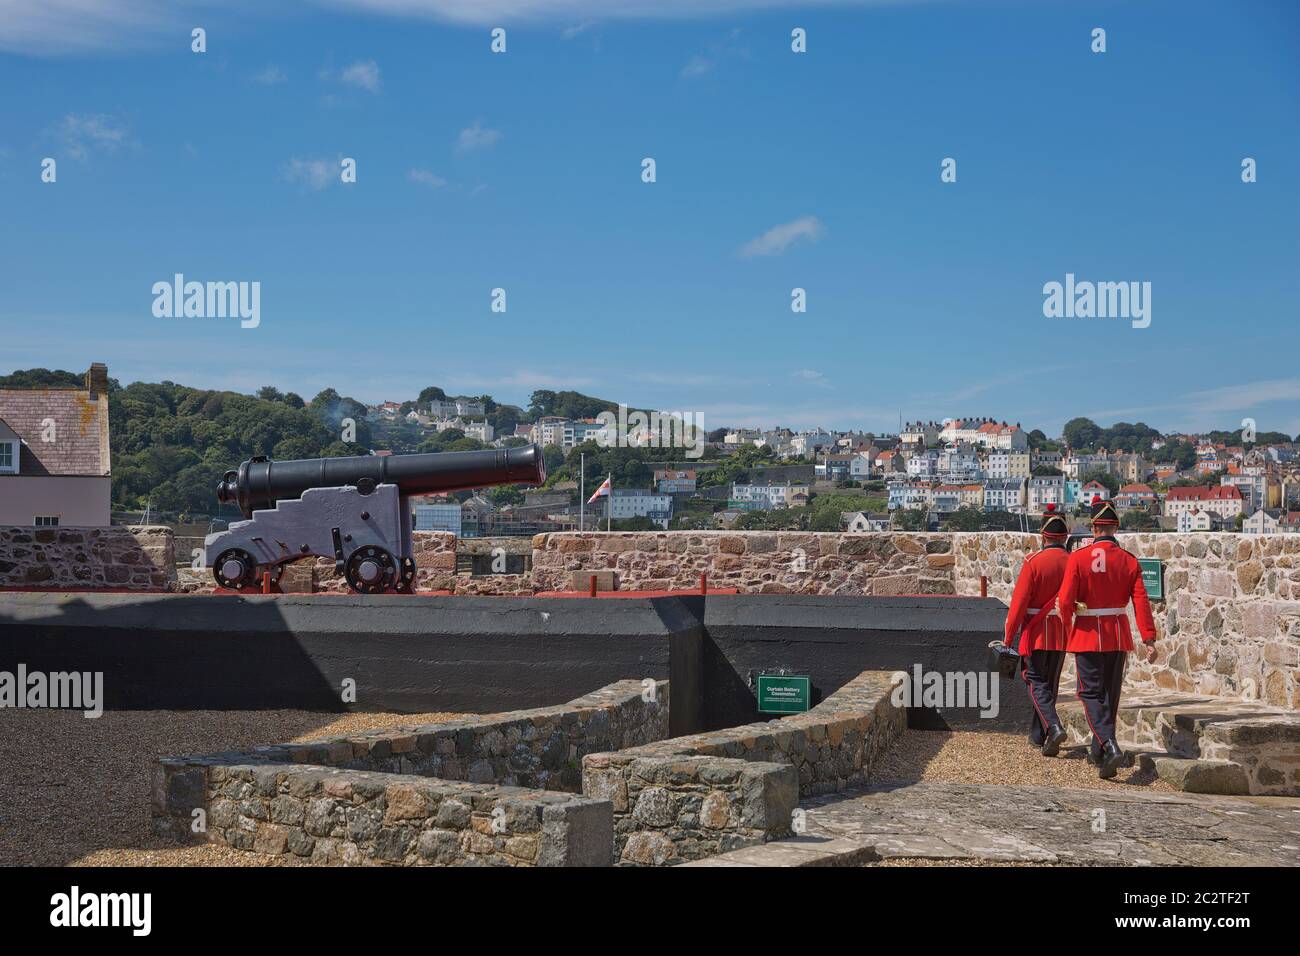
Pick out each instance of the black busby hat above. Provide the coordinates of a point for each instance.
(1103, 512)
(1054, 524)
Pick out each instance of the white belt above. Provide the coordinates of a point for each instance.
(1101, 612)
(1034, 610)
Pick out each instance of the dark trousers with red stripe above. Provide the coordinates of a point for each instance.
(1100, 676)
(1042, 674)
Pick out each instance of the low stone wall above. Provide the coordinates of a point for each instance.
(504, 756)
(690, 797)
(135, 558)
(330, 816)
(763, 562)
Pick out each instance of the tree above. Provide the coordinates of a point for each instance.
(1038, 441)
(1137, 519)
(909, 519)
(634, 524)
(43, 378)
(1081, 434)
(430, 394)
(1180, 454)
(690, 522)
(553, 455)
(964, 518)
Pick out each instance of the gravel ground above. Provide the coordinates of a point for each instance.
(1007, 759)
(76, 791)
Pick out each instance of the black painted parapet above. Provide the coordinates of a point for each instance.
(834, 638)
(416, 654)
(485, 654)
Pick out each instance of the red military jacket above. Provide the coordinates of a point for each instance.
(1036, 588)
(1103, 576)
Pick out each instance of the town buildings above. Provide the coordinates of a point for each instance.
(1223, 501)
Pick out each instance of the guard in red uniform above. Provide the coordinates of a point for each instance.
(1042, 640)
(1100, 580)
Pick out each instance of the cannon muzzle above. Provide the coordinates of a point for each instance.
(259, 482)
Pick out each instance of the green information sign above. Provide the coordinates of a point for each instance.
(1153, 577)
(783, 694)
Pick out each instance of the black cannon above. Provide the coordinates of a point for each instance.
(352, 509)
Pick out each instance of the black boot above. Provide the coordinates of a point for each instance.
(1055, 737)
(1111, 760)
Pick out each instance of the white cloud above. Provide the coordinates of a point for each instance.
(53, 27)
(498, 12)
(697, 66)
(779, 238)
(271, 76)
(812, 377)
(426, 177)
(577, 29)
(83, 134)
(313, 174)
(363, 74)
(477, 136)
(1205, 408)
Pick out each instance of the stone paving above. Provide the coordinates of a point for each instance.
(1039, 825)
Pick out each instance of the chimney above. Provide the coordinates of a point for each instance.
(97, 379)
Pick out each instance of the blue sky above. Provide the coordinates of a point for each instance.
(775, 170)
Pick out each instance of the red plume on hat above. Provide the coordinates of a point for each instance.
(1054, 525)
(1103, 512)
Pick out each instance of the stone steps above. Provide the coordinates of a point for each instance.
(1195, 774)
(933, 823)
(1205, 744)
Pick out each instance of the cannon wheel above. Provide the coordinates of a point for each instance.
(235, 569)
(407, 583)
(371, 570)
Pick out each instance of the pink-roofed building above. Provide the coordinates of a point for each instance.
(54, 455)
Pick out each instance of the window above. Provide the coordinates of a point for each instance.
(8, 456)
(46, 521)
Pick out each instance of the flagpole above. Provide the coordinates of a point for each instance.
(609, 504)
(582, 489)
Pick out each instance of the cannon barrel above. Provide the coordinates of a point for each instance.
(260, 483)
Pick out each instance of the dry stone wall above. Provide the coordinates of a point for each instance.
(762, 562)
(136, 558)
(686, 798)
(330, 816)
(474, 790)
